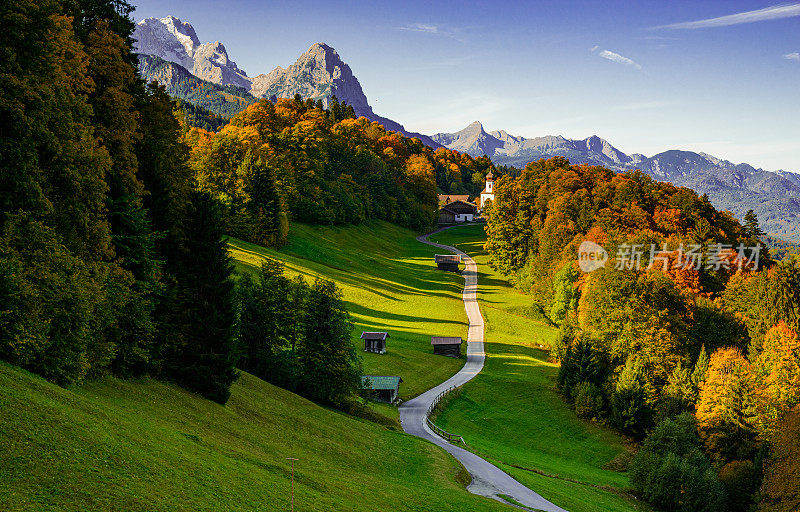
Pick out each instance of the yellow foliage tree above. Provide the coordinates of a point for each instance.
(727, 410)
(421, 179)
(778, 372)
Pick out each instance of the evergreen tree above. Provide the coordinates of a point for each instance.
(164, 170)
(334, 110)
(330, 368)
(207, 352)
(751, 228)
(267, 324)
(266, 207)
(55, 233)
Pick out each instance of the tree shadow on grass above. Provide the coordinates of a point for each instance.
(397, 277)
(366, 312)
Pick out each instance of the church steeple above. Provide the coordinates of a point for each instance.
(490, 183)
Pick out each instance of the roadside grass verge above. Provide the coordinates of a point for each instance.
(512, 414)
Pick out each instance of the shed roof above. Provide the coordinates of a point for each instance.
(443, 340)
(447, 258)
(374, 335)
(380, 382)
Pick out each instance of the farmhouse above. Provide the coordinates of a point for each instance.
(457, 211)
(448, 262)
(383, 388)
(446, 346)
(375, 341)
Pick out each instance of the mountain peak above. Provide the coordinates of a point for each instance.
(321, 48)
(177, 27)
(176, 41)
(318, 74)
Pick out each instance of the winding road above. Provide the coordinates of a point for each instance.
(487, 479)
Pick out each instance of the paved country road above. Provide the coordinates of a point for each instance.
(487, 479)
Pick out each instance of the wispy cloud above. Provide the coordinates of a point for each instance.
(645, 105)
(435, 29)
(615, 57)
(792, 56)
(421, 27)
(774, 12)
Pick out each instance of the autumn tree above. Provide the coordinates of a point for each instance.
(727, 406)
(780, 491)
(778, 373)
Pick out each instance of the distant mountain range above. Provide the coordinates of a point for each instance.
(319, 73)
(774, 196)
(204, 74)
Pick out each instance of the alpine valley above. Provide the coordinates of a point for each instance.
(170, 53)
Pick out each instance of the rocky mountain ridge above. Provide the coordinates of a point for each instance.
(319, 73)
(774, 196)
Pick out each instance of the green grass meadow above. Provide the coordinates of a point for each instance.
(390, 283)
(146, 445)
(512, 414)
(114, 445)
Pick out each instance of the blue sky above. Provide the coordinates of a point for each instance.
(715, 76)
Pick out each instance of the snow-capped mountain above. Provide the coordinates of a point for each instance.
(319, 73)
(176, 41)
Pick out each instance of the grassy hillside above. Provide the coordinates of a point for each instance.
(135, 446)
(390, 283)
(512, 414)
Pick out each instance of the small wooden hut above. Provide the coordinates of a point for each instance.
(446, 216)
(447, 346)
(383, 388)
(448, 262)
(375, 341)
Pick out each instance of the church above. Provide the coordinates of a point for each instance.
(487, 194)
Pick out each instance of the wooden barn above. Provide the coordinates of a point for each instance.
(383, 388)
(457, 211)
(447, 346)
(449, 262)
(375, 341)
(446, 216)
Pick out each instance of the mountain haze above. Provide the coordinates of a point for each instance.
(318, 74)
(774, 196)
